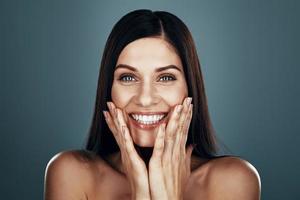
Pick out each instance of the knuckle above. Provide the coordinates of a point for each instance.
(129, 150)
(176, 156)
(177, 116)
(170, 137)
(181, 127)
(185, 111)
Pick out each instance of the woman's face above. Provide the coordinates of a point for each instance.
(148, 82)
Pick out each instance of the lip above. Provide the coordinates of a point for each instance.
(149, 113)
(148, 126)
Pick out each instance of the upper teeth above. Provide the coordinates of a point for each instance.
(147, 119)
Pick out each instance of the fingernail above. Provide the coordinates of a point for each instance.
(105, 115)
(179, 108)
(188, 101)
(108, 105)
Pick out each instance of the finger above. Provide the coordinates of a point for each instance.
(111, 126)
(159, 144)
(120, 118)
(124, 132)
(128, 142)
(186, 127)
(170, 132)
(156, 172)
(118, 121)
(114, 123)
(124, 129)
(182, 122)
(117, 135)
(173, 122)
(129, 146)
(113, 113)
(184, 113)
(189, 152)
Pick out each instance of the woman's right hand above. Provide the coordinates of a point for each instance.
(134, 166)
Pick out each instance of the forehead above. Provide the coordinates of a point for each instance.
(149, 53)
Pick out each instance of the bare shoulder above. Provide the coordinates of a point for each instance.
(231, 178)
(69, 174)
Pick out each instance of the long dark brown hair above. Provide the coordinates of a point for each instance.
(146, 23)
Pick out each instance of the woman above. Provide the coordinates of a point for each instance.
(154, 139)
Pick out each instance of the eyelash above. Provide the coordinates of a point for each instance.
(128, 75)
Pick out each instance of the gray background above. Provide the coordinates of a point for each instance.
(50, 56)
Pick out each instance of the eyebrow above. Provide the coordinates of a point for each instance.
(156, 70)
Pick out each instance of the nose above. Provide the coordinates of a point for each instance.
(147, 95)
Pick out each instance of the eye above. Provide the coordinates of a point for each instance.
(126, 78)
(167, 78)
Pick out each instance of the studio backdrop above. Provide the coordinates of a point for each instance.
(50, 57)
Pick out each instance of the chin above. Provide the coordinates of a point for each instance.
(143, 138)
(143, 141)
(144, 144)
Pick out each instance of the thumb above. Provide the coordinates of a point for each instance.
(190, 149)
(189, 152)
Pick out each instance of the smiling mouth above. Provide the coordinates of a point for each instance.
(147, 121)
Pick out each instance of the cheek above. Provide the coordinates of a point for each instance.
(120, 96)
(172, 95)
(175, 95)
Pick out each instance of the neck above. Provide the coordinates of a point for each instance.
(145, 153)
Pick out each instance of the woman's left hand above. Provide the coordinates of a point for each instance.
(169, 166)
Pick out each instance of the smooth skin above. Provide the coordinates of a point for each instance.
(147, 86)
(169, 166)
(173, 173)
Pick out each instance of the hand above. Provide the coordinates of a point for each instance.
(134, 166)
(169, 166)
